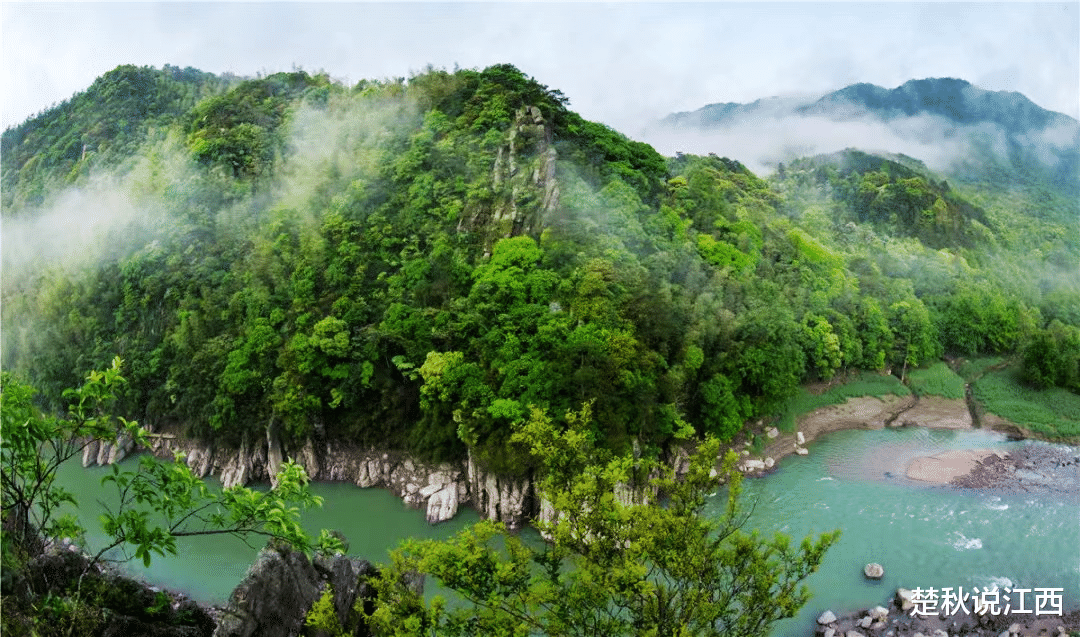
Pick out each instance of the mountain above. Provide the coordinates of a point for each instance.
(956, 100)
(417, 264)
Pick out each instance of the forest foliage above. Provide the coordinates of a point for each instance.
(419, 262)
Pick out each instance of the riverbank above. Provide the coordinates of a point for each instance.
(863, 412)
(895, 620)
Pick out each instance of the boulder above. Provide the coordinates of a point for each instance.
(443, 504)
(753, 465)
(828, 617)
(799, 438)
(865, 622)
(274, 598)
(905, 598)
(802, 451)
(873, 570)
(772, 432)
(879, 612)
(769, 462)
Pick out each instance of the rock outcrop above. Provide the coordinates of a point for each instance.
(113, 604)
(439, 489)
(896, 620)
(523, 181)
(281, 586)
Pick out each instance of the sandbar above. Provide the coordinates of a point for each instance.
(943, 468)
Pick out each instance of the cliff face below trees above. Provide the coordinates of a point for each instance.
(439, 488)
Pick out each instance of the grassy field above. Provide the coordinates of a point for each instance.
(864, 384)
(973, 368)
(937, 380)
(1052, 413)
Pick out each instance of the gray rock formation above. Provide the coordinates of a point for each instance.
(280, 588)
(523, 180)
(508, 500)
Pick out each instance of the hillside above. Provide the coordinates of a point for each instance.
(997, 140)
(416, 263)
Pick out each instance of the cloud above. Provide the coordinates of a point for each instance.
(78, 228)
(764, 138)
(619, 63)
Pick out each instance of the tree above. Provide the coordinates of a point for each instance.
(613, 565)
(159, 502)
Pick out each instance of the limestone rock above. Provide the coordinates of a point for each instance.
(865, 622)
(905, 598)
(769, 462)
(753, 465)
(799, 438)
(280, 587)
(772, 432)
(802, 451)
(443, 504)
(873, 570)
(828, 617)
(501, 498)
(879, 612)
(829, 632)
(274, 456)
(90, 453)
(308, 459)
(271, 601)
(854, 633)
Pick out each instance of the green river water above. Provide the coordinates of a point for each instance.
(924, 536)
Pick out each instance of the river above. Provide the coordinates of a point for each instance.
(923, 535)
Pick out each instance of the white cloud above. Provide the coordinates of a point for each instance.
(620, 63)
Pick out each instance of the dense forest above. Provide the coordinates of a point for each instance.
(415, 262)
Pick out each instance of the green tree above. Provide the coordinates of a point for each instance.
(159, 502)
(613, 565)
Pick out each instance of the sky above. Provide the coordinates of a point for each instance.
(624, 64)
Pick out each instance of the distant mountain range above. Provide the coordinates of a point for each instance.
(997, 138)
(956, 100)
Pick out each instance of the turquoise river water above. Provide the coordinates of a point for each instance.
(923, 535)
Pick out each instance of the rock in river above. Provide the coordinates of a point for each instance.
(873, 570)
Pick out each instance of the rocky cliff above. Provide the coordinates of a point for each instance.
(438, 488)
(282, 585)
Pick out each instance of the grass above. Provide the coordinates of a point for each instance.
(937, 380)
(864, 384)
(1052, 413)
(972, 369)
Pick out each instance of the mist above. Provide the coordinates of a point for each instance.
(767, 137)
(80, 227)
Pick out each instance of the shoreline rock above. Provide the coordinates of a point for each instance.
(894, 619)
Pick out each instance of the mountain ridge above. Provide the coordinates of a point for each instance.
(953, 98)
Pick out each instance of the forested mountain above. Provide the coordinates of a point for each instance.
(415, 263)
(956, 100)
(1004, 139)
